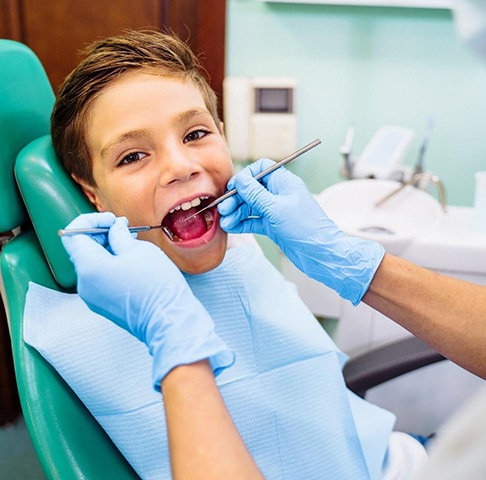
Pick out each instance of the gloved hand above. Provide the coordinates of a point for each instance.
(288, 214)
(137, 286)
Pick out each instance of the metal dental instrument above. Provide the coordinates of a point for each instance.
(146, 228)
(88, 231)
(268, 170)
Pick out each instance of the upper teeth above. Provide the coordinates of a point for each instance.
(187, 205)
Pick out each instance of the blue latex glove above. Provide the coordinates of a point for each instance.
(135, 284)
(289, 215)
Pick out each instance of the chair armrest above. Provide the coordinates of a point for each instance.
(385, 363)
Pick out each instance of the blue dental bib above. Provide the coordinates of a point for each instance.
(285, 391)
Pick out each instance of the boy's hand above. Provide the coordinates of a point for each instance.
(287, 213)
(135, 284)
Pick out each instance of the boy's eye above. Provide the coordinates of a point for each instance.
(196, 135)
(132, 158)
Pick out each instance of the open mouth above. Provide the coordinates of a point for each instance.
(179, 227)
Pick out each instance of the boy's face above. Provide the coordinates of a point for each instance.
(156, 150)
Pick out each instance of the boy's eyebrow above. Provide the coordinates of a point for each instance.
(191, 114)
(126, 136)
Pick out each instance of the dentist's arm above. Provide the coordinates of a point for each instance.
(447, 313)
(135, 285)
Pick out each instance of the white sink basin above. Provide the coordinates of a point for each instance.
(405, 216)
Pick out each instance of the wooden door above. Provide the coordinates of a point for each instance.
(56, 30)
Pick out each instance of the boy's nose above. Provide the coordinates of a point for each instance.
(177, 166)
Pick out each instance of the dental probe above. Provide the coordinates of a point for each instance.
(88, 231)
(268, 170)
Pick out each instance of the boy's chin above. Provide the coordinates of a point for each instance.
(195, 263)
(197, 268)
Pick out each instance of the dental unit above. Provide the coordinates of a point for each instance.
(420, 178)
(382, 157)
(195, 202)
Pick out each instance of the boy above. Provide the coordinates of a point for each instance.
(136, 126)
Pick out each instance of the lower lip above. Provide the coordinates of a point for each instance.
(204, 239)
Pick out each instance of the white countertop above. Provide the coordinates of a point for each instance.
(453, 246)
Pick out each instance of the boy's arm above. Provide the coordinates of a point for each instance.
(203, 440)
(445, 312)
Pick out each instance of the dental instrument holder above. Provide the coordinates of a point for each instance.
(230, 193)
(345, 150)
(419, 166)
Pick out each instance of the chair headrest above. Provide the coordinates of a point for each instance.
(26, 100)
(52, 199)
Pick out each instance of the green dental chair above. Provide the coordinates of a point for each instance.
(68, 441)
(36, 199)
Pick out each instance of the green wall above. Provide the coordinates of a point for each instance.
(369, 66)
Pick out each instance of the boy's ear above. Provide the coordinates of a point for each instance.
(90, 192)
(221, 129)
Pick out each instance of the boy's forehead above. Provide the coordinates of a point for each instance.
(153, 73)
(141, 84)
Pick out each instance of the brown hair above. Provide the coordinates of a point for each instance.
(105, 61)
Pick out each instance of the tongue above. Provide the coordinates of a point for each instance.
(186, 229)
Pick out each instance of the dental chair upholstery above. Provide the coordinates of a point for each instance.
(69, 443)
(41, 199)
